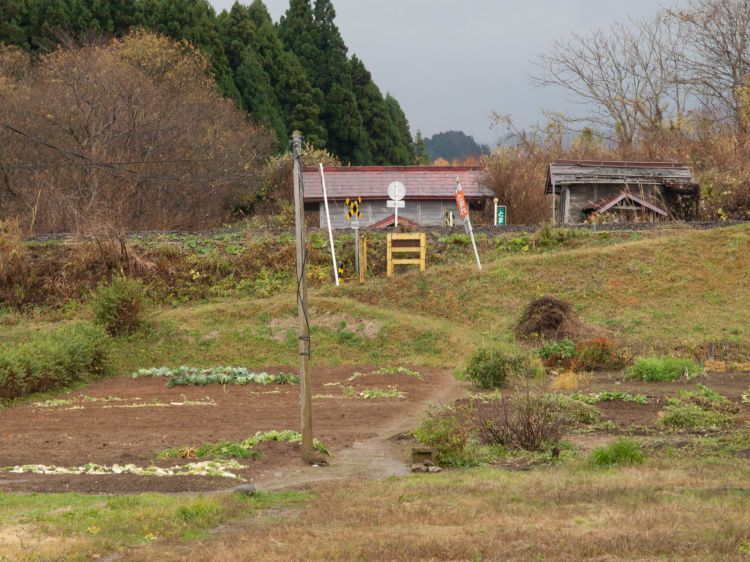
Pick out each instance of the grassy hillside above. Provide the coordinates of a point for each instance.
(678, 292)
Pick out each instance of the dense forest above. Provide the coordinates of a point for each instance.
(293, 75)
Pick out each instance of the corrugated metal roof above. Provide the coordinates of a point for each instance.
(371, 182)
(570, 172)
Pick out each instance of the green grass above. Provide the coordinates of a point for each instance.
(704, 394)
(619, 453)
(82, 527)
(241, 450)
(609, 395)
(644, 291)
(699, 410)
(59, 358)
(692, 417)
(575, 411)
(663, 369)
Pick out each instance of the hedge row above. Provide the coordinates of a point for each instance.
(54, 360)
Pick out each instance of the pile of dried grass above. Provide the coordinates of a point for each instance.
(549, 318)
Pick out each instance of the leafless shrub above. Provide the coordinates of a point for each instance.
(527, 420)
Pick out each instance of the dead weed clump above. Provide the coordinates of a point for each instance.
(13, 252)
(568, 380)
(528, 420)
(552, 319)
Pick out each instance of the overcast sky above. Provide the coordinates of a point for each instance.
(451, 63)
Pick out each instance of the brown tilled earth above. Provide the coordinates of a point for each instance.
(355, 430)
(106, 432)
(624, 414)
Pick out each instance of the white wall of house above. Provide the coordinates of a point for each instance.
(426, 213)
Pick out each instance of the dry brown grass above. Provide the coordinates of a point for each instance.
(567, 380)
(13, 252)
(691, 511)
(16, 541)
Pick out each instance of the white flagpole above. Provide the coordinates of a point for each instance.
(328, 219)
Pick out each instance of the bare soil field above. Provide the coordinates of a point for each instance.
(125, 420)
(624, 414)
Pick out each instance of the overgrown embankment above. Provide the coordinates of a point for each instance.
(682, 293)
(184, 267)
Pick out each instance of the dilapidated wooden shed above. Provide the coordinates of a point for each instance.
(621, 191)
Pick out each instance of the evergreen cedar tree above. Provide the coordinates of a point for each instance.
(296, 75)
(420, 150)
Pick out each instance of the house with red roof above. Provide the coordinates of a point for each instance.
(429, 196)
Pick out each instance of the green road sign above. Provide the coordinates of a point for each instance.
(501, 214)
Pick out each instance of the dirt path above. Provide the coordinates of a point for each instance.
(380, 456)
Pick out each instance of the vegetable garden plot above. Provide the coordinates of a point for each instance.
(99, 432)
(191, 376)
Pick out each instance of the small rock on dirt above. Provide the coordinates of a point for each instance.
(246, 489)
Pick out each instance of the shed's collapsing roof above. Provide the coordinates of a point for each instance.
(371, 182)
(571, 172)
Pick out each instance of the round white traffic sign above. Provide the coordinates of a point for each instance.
(396, 190)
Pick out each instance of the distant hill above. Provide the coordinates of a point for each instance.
(454, 145)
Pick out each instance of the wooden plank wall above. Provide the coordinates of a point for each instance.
(426, 213)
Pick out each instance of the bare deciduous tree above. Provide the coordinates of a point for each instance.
(128, 135)
(625, 75)
(717, 55)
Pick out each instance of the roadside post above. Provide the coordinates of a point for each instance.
(353, 215)
(328, 220)
(396, 192)
(305, 379)
(463, 212)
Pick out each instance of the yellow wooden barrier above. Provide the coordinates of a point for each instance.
(403, 243)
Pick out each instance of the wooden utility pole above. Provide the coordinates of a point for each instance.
(305, 380)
